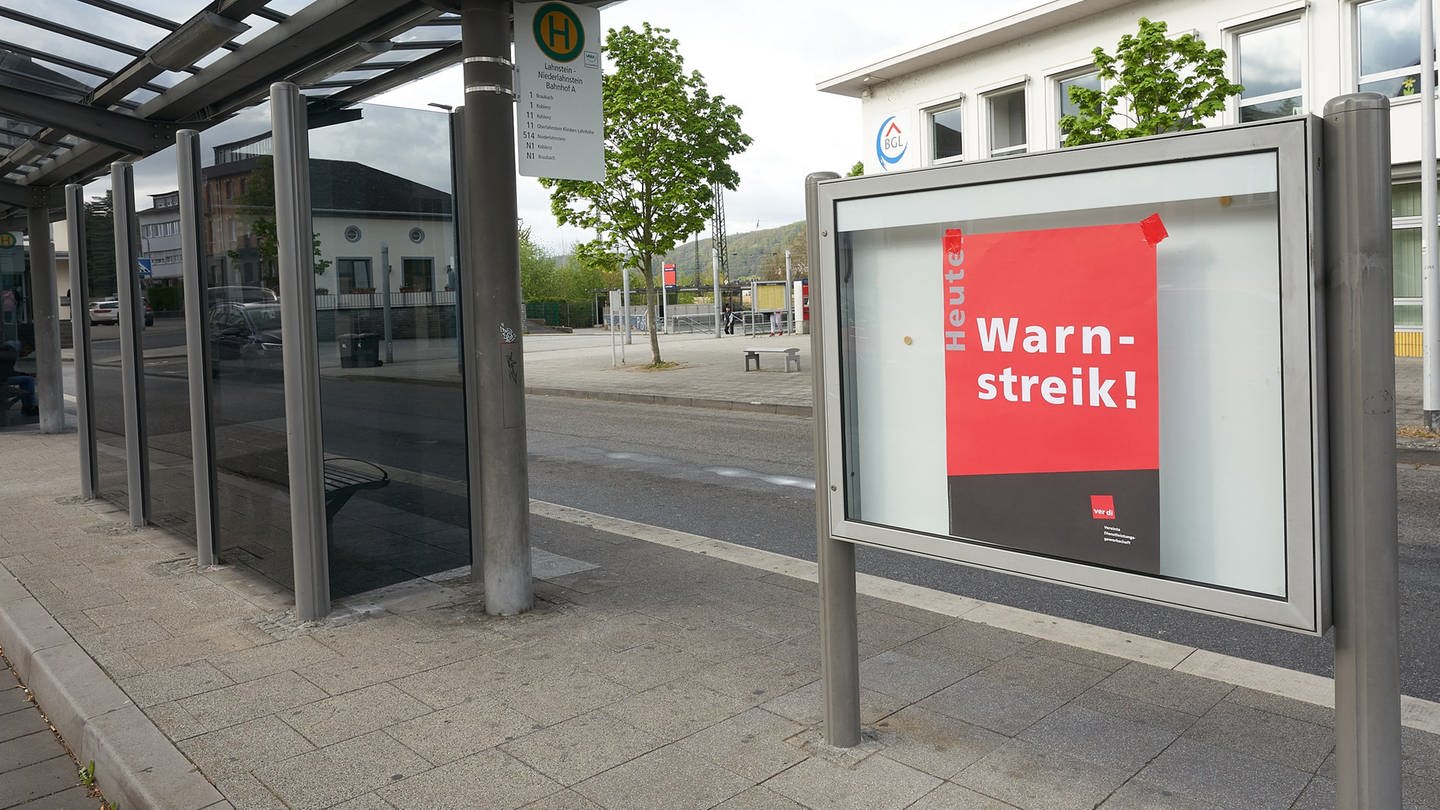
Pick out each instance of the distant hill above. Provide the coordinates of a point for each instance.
(754, 256)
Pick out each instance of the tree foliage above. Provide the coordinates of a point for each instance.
(256, 203)
(100, 247)
(667, 140)
(1154, 84)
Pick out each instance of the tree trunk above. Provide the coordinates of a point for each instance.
(650, 315)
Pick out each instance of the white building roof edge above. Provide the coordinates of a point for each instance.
(1032, 21)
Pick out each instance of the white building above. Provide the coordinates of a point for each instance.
(160, 238)
(1000, 89)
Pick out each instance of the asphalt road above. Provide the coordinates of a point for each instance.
(748, 478)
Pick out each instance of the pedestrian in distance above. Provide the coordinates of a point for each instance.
(729, 317)
(775, 323)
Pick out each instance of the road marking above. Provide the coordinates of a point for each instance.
(1419, 714)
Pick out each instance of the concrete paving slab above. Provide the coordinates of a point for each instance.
(1224, 778)
(239, 749)
(935, 743)
(668, 778)
(462, 729)
(581, 747)
(1048, 780)
(876, 783)
(950, 796)
(490, 779)
(755, 744)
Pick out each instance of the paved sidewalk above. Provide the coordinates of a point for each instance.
(659, 670)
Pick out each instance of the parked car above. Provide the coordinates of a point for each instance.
(108, 311)
(240, 295)
(245, 337)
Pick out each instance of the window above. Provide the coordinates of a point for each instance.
(1405, 239)
(417, 274)
(1007, 122)
(1389, 46)
(1090, 80)
(352, 274)
(945, 138)
(1270, 67)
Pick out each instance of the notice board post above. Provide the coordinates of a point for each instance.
(1362, 447)
(839, 630)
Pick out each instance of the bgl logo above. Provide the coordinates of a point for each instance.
(890, 143)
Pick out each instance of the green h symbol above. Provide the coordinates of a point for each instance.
(559, 31)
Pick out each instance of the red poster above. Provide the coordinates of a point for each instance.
(1052, 384)
(669, 270)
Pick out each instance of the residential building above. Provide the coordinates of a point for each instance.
(1000, 89)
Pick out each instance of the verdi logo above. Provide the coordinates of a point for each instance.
(558, 32)
(1102, 507)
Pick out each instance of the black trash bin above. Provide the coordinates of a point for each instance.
(359, 349)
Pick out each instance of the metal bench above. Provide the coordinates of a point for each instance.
(792, 357)
(346, 476)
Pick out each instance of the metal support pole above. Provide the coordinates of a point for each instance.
(385, 301)
(1365, 546)
(80, 330)
(1430, 291)
(132, 320)
(197, 341)
(468, 337)
(295, 257)
(789, 305)
(715, 287)
(839, 625)
(49, 383)
(494, 300)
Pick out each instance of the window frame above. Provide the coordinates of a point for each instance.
(1233, 34)
(929, 111)
(1359, 79)
(988, 98)
(1055, 80)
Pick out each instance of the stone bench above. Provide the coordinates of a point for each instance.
(792, 357)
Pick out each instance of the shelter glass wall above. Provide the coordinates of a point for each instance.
(167, 398)
(104, 350)
(392, 402)
(247, 393)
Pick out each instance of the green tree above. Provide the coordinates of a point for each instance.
(539, 271)
(857, 170)
(256, 204)
(100, 247)
(667, 140)
(1154, 84)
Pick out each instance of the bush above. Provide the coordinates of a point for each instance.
(166, 299)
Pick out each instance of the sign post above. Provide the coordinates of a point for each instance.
(559, 119)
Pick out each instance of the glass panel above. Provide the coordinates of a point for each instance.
(1270, 60)
(167, 380)
(1409, 277)
(1388, 38)
(1393, 87)
(1405, 200)
(1089, 81)
(1271, 109)
(945, 128)
(1409, 314)
(106, 378)
(1030, 418)
(394, 439)
(247, 395)
(1007, 123)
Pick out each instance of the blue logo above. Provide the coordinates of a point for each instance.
(890, 143)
